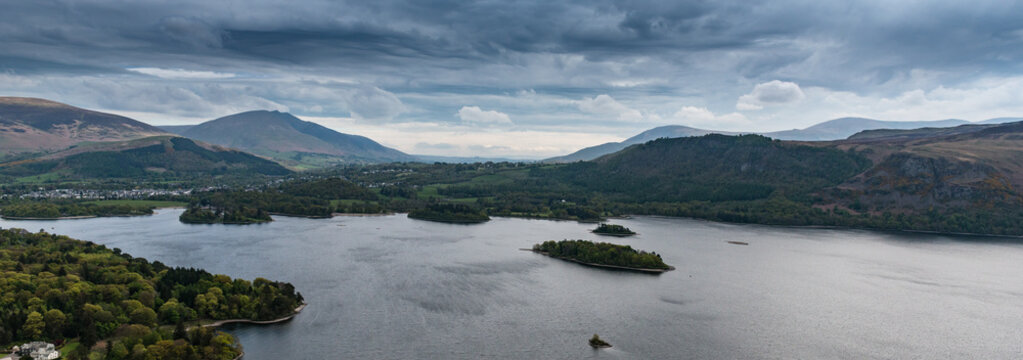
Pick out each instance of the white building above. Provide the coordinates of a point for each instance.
(38, 350)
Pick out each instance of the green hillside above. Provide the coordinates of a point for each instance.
(158, 157)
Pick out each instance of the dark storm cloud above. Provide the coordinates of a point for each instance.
(879, 38)
(191, 31)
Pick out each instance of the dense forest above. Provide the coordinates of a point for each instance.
(310, 198)
(63, 290)
(602, 253)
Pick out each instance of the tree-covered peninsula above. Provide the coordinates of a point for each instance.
(603, 255)
(309, 198)
(613, 230)
(47, 210)
(452, 213)
(66, 291)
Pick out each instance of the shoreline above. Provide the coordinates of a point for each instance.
(300, 216)
(34, 218)
(220, 323)
(612, 267)
(226, 222)
(835, 227)
(535, 217)
(361, 214)
(463, 222)
(58, 218)
(613, 234)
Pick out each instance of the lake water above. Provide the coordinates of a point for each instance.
(393, 288)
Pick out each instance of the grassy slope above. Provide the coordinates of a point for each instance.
(152, 157)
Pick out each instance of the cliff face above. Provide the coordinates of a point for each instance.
(906, 181)
(954, 169)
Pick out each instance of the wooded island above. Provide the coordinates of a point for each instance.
(613, 230)
(603, 255)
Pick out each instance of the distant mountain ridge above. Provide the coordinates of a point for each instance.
(175, 129)
(290, 140)
(927, 132)
(842, 128)
(836, 129)
(31, 125)
(670, 131)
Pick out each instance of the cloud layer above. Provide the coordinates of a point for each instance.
(473, 115)
(770, 93)
(587, 69)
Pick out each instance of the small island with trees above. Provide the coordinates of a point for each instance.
(100, 303)
(613, 230)
(238, 215)
(450, 213)
(605, 255)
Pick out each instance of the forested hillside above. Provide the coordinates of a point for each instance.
(712, 168)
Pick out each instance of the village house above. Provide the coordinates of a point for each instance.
(38, 350)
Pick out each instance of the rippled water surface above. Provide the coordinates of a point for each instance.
(393, 288)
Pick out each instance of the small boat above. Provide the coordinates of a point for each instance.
(738, 243)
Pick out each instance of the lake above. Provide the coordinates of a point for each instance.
(388, 287)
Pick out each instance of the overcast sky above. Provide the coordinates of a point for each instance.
(519, 78)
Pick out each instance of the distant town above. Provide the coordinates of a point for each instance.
(88, 194)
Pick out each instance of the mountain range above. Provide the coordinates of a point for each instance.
(836, 129)
(39, 129)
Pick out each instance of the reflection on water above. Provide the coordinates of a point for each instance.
(394, 288)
